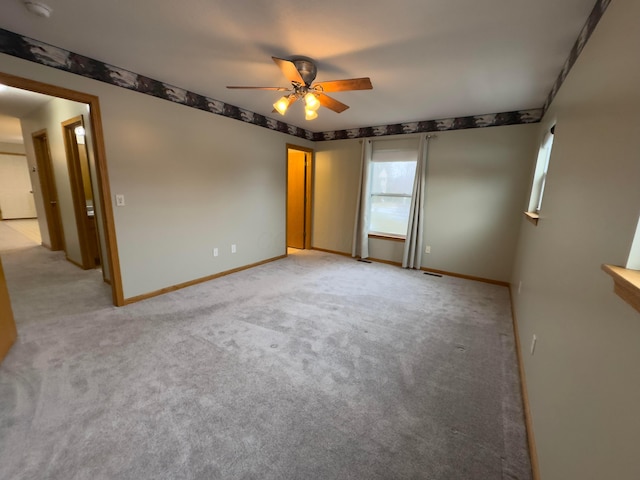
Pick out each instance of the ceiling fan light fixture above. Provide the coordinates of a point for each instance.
(311, 101)
(282, 105)
(301, 72)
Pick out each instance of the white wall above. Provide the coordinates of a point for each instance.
(583, 378)
(16, 195)
(476, 180)
(192, 181)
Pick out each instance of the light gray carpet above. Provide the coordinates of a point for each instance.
(312, 367)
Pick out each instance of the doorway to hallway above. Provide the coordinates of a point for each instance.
(299, 186)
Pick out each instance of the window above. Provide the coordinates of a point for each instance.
(633, 262)
(392, 172)
(626, 281)
(540, 176)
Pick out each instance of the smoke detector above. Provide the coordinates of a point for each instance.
(38, 8)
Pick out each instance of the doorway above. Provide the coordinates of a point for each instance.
(299, 184)
(73, 134)
(48, 189)
(105, 217)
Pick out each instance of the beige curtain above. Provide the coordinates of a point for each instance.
(360, 247)
(412, 255)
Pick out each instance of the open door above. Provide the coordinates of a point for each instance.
(48, 188)
(81, 190)
(8, 332)
(299, 170)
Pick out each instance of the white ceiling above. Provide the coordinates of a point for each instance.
(16, 103)
(427, 59)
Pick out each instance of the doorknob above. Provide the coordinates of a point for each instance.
(53, 202)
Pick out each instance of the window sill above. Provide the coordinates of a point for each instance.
(626, 284)
(386, 236)
(532, 217)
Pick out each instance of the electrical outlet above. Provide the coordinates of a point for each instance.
(120, 200)
(427, 249)
(533, 344)
(233, 248)
(215, 252)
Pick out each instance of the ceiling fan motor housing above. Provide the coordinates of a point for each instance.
(307, 69)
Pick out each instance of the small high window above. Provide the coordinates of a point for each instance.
(540, 175)
(633, 262)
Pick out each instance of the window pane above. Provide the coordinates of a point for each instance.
(392, 177)
(389, 214)
(540, 173)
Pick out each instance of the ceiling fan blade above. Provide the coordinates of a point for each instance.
(280, 89)
(289, 70)
(332, 103)
(348, 84)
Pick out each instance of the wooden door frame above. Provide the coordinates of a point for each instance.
(49, 191)
(101, 168)
(308, 194)
(8, 332)
(77, 188)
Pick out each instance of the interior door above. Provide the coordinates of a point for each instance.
(81, 190)
(296, 198)
(48, 188)
(8, 331)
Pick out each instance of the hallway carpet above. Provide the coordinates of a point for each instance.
(311, 367)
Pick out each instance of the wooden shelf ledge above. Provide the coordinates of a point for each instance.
(626, 284)
(532, 217)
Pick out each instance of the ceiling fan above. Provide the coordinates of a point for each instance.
(301, 72)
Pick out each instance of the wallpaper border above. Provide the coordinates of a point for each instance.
(588, 28)
(35, 51)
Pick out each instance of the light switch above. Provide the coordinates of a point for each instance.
(119, 200)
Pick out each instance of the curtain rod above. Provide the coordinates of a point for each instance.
(397, 137)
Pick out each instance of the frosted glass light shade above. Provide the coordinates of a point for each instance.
(282, 105)
(311, 101)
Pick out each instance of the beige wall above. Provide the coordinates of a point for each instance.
(192, 181)
(476, 182)
(335, 192)
(11, 147)
(583, 378)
